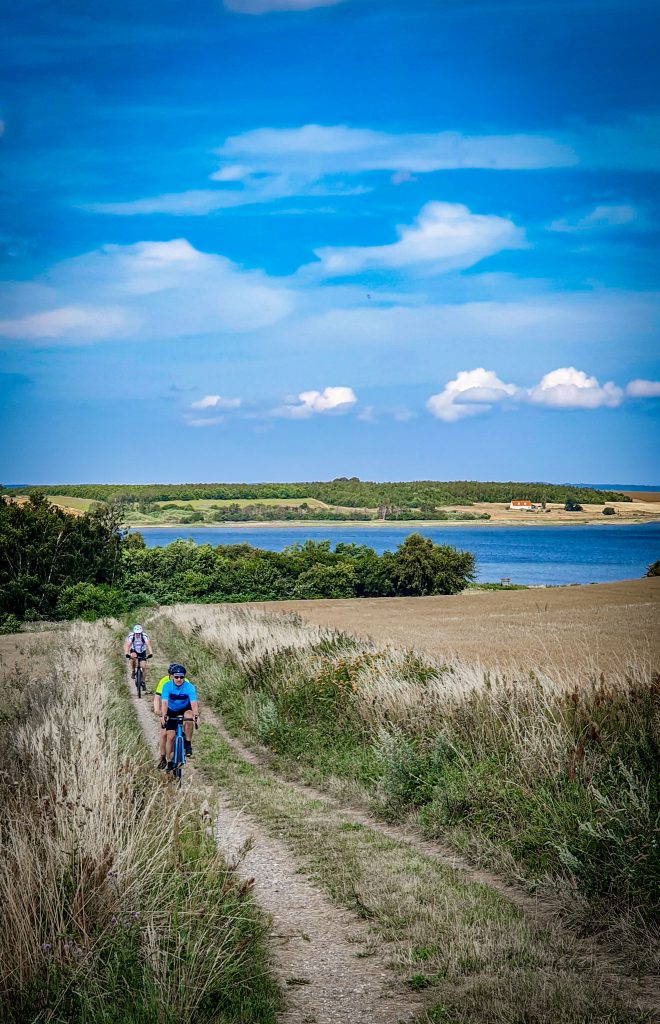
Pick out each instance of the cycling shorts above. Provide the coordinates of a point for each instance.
(172, 721)
(140, 655)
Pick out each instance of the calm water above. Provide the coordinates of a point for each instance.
(527, 554)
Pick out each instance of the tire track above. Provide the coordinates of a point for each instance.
(317, 949)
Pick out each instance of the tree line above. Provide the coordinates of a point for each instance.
(57, 566)
(347, 491)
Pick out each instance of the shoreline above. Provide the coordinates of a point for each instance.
(297, 524)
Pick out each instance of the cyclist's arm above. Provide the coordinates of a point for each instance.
(149, 648)
(163, 709)
(195, 708)
(127, 646)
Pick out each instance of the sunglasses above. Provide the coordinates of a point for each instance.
(178, 677)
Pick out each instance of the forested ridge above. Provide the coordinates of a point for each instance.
(347, 491)
(57, 566)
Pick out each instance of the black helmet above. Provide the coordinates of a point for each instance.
(177, 670)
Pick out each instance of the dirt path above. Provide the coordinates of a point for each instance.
(643, 991)
(317, 948)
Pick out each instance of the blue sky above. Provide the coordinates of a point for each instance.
(295, 239)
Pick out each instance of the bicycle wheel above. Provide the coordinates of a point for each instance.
(179, 756)
(138, 679)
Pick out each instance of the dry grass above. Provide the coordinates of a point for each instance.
(100, 864)
(479, 960)
(545, 775)
(561, 630)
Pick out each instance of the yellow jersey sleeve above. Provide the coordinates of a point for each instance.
(161, 684)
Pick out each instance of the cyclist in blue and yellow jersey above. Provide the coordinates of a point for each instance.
(157, 705)
(178, 697)
(137, 647)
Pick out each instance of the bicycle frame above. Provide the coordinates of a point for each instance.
(179, 752)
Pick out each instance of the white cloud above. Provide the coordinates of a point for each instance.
(338, 149)
(206, 421)
(266, 6)
(471, 393)
(70, 322)
(403, 415)
(643, 389)
(216, 402)
(367, 415)
(568, 388)
(330, 400)
(605, 216)
(148, 290)
(445, 236)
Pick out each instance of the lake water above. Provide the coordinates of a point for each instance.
(549, 555)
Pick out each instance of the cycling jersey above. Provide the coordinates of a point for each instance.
(137, 642)
(178, 697)
(161, 683)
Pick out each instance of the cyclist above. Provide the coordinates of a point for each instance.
(157, 705)
(137, 647)
(178, 697)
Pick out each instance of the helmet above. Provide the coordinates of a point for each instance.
(170, 668)
(177, 670)
(137, 629)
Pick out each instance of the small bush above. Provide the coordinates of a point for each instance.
(89, 601)
(609, 511)
(653, 569)
(9, 624)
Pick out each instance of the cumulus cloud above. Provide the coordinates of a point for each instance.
(267, 6)
(148, 290)
(216, 402)
(601, 217)
(445, 236)
(643, 389)
(471, 393)
(568, 388)
(330, 400)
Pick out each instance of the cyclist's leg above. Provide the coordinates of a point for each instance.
(188, 731)
(143, 662)
(133, 663)
(170, 728)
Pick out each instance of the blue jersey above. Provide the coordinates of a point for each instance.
(178, 697)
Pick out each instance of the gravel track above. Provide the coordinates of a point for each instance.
(318, 950)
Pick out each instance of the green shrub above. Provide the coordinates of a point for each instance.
(9, 624)
(89, 601)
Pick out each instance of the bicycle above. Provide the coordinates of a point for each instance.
(138, 677)
(179, 751)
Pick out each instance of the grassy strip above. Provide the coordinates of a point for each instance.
(480, 959)
(556, 786)
(116, 904)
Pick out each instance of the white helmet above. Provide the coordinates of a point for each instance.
(137, 629)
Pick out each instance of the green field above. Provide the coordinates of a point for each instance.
(203, 504)
(64, 501)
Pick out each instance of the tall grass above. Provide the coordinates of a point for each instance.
(116, 905)
(556, 779)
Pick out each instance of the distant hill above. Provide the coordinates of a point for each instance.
(347, 492)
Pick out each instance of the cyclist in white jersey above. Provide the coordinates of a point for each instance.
(137, 647)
